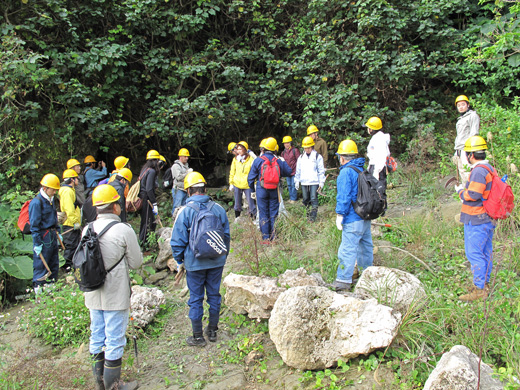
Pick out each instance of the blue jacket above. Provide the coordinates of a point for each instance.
(254, 173)
(42, 216)
(181, 233)
(93, 176)
(347, 186)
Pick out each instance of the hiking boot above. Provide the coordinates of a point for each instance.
(487, 288)
(197, 340)
(341, 286)
(355, 274)
(211, 333)
(474, 294)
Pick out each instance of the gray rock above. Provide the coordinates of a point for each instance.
(145, 304)
(313, 327)
(158, 276)
(297, 277)
(458, 370)
(165, 250)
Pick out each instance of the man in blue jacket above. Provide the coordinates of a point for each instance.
(356, 238)
(267, 200)
(203, 275)
(44, 224)
(93, 175)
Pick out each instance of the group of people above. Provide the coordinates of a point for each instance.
(253, 177)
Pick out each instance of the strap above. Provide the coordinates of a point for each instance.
(141, 176)
(116, 264)
(493, 172)
(90, 225)
(354, 168)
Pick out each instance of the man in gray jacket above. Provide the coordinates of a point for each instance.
(109, 305)
(179, 170)
(468, 125)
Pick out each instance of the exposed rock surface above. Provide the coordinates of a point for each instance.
(165, 250)
(299, 277)
(145, 304)
(391, 287)
(313, 327)
(458, 370)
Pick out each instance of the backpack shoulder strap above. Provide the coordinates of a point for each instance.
(144, 173)
(106, 228)
(354, 168)
(493, 172)
(193, 205)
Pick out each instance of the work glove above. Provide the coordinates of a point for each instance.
(166, 184)
(61, 237)
(281, 158)
(38, 249)
(180, 267)
(459, 187)
(320, 187)
(190, 170)
(253, 195)
(297, 186)
(77, 226)
(231, 187)
(155, 209)
(339, 221)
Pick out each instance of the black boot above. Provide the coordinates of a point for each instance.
(112, 376)
(98, 362)
(211, 332)
(237, 213)
(197, 340)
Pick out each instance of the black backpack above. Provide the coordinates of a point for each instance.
(89, 268)
(371, 196)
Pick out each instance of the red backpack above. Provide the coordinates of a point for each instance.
(23, 219)
(269, 173)
(500, 202)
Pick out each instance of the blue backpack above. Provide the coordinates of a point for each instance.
(206, 233)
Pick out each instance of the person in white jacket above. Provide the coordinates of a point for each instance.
(310, 172)
(377, 150)
(468, 125)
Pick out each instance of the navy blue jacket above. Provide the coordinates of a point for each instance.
(254, 173)
(42, 216)
(347, 187)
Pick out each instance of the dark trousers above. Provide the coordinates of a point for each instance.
(310, 198)
(147, 222)
(199, 282)
(50, 254)
(268, 205)
(71, 242)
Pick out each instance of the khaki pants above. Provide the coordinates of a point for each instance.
(462, 164)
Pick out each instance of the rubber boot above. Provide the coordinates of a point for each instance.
(211, 332)
(98, 363)
(237, 213)
(112, 377)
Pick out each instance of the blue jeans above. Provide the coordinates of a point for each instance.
(179, 198)
(108, 328)
(478, 243)
(206, 280)
(356, 244)
(293, 194)
(310, 198)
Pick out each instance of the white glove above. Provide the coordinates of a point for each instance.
(190, 170)
(253, 195)
(297, 186)
(459, 187)
(339, 221)
(281, 158)
(166, 184)
(180, 267)
(231, 187)
(77, 226)
(155, 209)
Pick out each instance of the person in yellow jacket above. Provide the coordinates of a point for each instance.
(69, 205)
(240, 168)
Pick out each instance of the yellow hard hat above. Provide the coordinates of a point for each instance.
(192, 179)
(72, 163)
(104, 194)
(184, 152)
(126, 173)
(347, 147)
(461, 98)
(67, 173)
(270, 144)
(262, 143)
(89, 159)
(312, 129)
(231, 146)
(308, 142)
(475, 144)
(120, 162)
(244, 144)
(161, 157)
(286, 139)
(51, 180)
(374, 123)
(152, 155)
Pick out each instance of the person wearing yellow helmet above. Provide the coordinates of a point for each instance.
(80, 187)
(109, 305)
(43, 219)
(238, 173)
(320, 144)
(468, 125)
(203, 253)
(377, 150)
(174, 178)
(72, 224)
(310, 172)
(266, 172)
(290, 154)
(356, 237)
(94, 173)
(149, 210)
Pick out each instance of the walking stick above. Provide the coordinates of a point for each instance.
(61, 242)
(44, 277)
(157, 218)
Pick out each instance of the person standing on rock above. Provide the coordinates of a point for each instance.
(478, 225)
(356, 237)
(203, 259)
(468, 125)
(179, 170)
(109, 305)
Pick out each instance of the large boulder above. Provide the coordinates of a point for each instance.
(391, 287)
(165, 249)
(299, 277)
(313, 327)
(458, 369)
(251, 295)
(145, 304)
